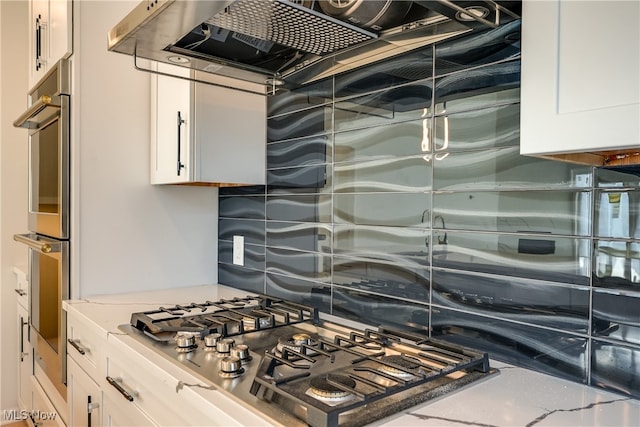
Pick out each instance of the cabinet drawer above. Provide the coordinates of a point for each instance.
(86, 344)
(117, 412)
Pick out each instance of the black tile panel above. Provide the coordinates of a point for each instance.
(616, 214)
(614, 367)
(299, 207)
(399, 174)
(516, 299)
(251, 190)
(241, 278)
(308, 179)
(249, 207)
(302, 291)
(299, 152)
(301, 98)
(303, 265)
(385, 209)
(616, 264)
(313, 121)
(556, 353)
(616, 177)
(616, 315)
(251, 229)
(253, 255)
(300, 236)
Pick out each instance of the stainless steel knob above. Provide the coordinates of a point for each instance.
(240, 351)
(212, 339)
(224, 345)
(230, 364)
(185, 340)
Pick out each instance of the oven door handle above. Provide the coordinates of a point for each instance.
(40, 244)
(32, 118)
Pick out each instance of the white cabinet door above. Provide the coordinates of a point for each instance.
(580, 86)
(38, 39)
(60, 30)
(84, 397)
(25, 360)
(117, 412)
(44, 413)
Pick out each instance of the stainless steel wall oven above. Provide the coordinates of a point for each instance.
(48, 121)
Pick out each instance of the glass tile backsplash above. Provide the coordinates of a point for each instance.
(396, 195)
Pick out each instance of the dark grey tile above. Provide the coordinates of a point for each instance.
(480, 48)
(616, 214)
(616, 315)
(504, 168)
(556, 353)
(253, 255)
(376, 310)
(614, 367)
(299, 207)
(299, 152)
(243, 191)
(313, 121)
(509, 298)
(395, 244)
(302, 265)
(406, 174)
(241, 278)
(386, 209)
(621, 176)
(550, 212)
(526, 256)
(250, 207)
(479, 87)
(399, 70)
(478, 129)
(382, 277)
(394, 140)
(298, 99)
(299, 236)
(305, 292)
(308, 179)
(251, 229)
(616, 264)
(384, 107)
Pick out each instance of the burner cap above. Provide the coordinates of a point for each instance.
(293, 342)
(321, 387)
(407, 363)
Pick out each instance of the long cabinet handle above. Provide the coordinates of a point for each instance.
(90, 407)
(38, 42)
(20, 292)
(75, 345)
(180, 123)
(116, 383)
(22, 325)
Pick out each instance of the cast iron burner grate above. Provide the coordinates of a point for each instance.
(372, 367)
(227, 317)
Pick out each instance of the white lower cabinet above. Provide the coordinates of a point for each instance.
(119, 412)
(43, 413)
(25, 358)
(84, 397)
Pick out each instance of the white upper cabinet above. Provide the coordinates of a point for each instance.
(205, 134)
(580, 92)
(50, 35)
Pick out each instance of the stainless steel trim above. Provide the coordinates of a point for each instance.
(39, 243)
(29, 119)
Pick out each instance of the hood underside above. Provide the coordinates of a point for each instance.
(261, 45)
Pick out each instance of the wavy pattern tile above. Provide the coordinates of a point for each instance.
(384, 209)
(299, 152)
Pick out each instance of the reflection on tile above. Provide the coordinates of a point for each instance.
(504, 168)
(299, 152)
(301, 265)
(615, 367)
(552, 212)
(555, 353)
(616, 214)
(309, 122)
(623, 176)
(478, 87)
(253, 255)
(241, 207)
(396, 244)
(302, 208)
(399, 70)
(616, 315)
(480, 48)
(394, 140)
(383, 175)
(299, 236)
(241, 278)
(377, 310)
(478, 129)
(298, 290)
(308, 179)
(251, 229)
(514, 255)
(308, 96)
(239, 191)
(509, 298)
(616, 264)
(382, 277)
(388, 209)
(398, 104)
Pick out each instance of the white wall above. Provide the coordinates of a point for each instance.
(126, 234)
(13, 183)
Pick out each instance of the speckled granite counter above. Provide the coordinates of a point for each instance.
(514, 397)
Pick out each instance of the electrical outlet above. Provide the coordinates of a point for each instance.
(238, 250)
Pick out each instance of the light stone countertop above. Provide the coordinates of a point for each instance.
(514, 397)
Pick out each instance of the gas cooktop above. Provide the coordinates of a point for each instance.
(295, 368)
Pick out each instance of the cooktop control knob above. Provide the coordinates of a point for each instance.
(212, 339)
(224, 345)
(241, 351)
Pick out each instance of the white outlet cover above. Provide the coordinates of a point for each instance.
(238, 250)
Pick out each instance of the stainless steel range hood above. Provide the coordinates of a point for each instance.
(260, 45)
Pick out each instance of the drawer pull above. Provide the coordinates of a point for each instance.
(20, 292)
(77, 346)
(115, 382)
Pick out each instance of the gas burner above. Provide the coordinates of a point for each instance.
(323, 387)
(293, 342)
(231, 367)
(408, 365)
